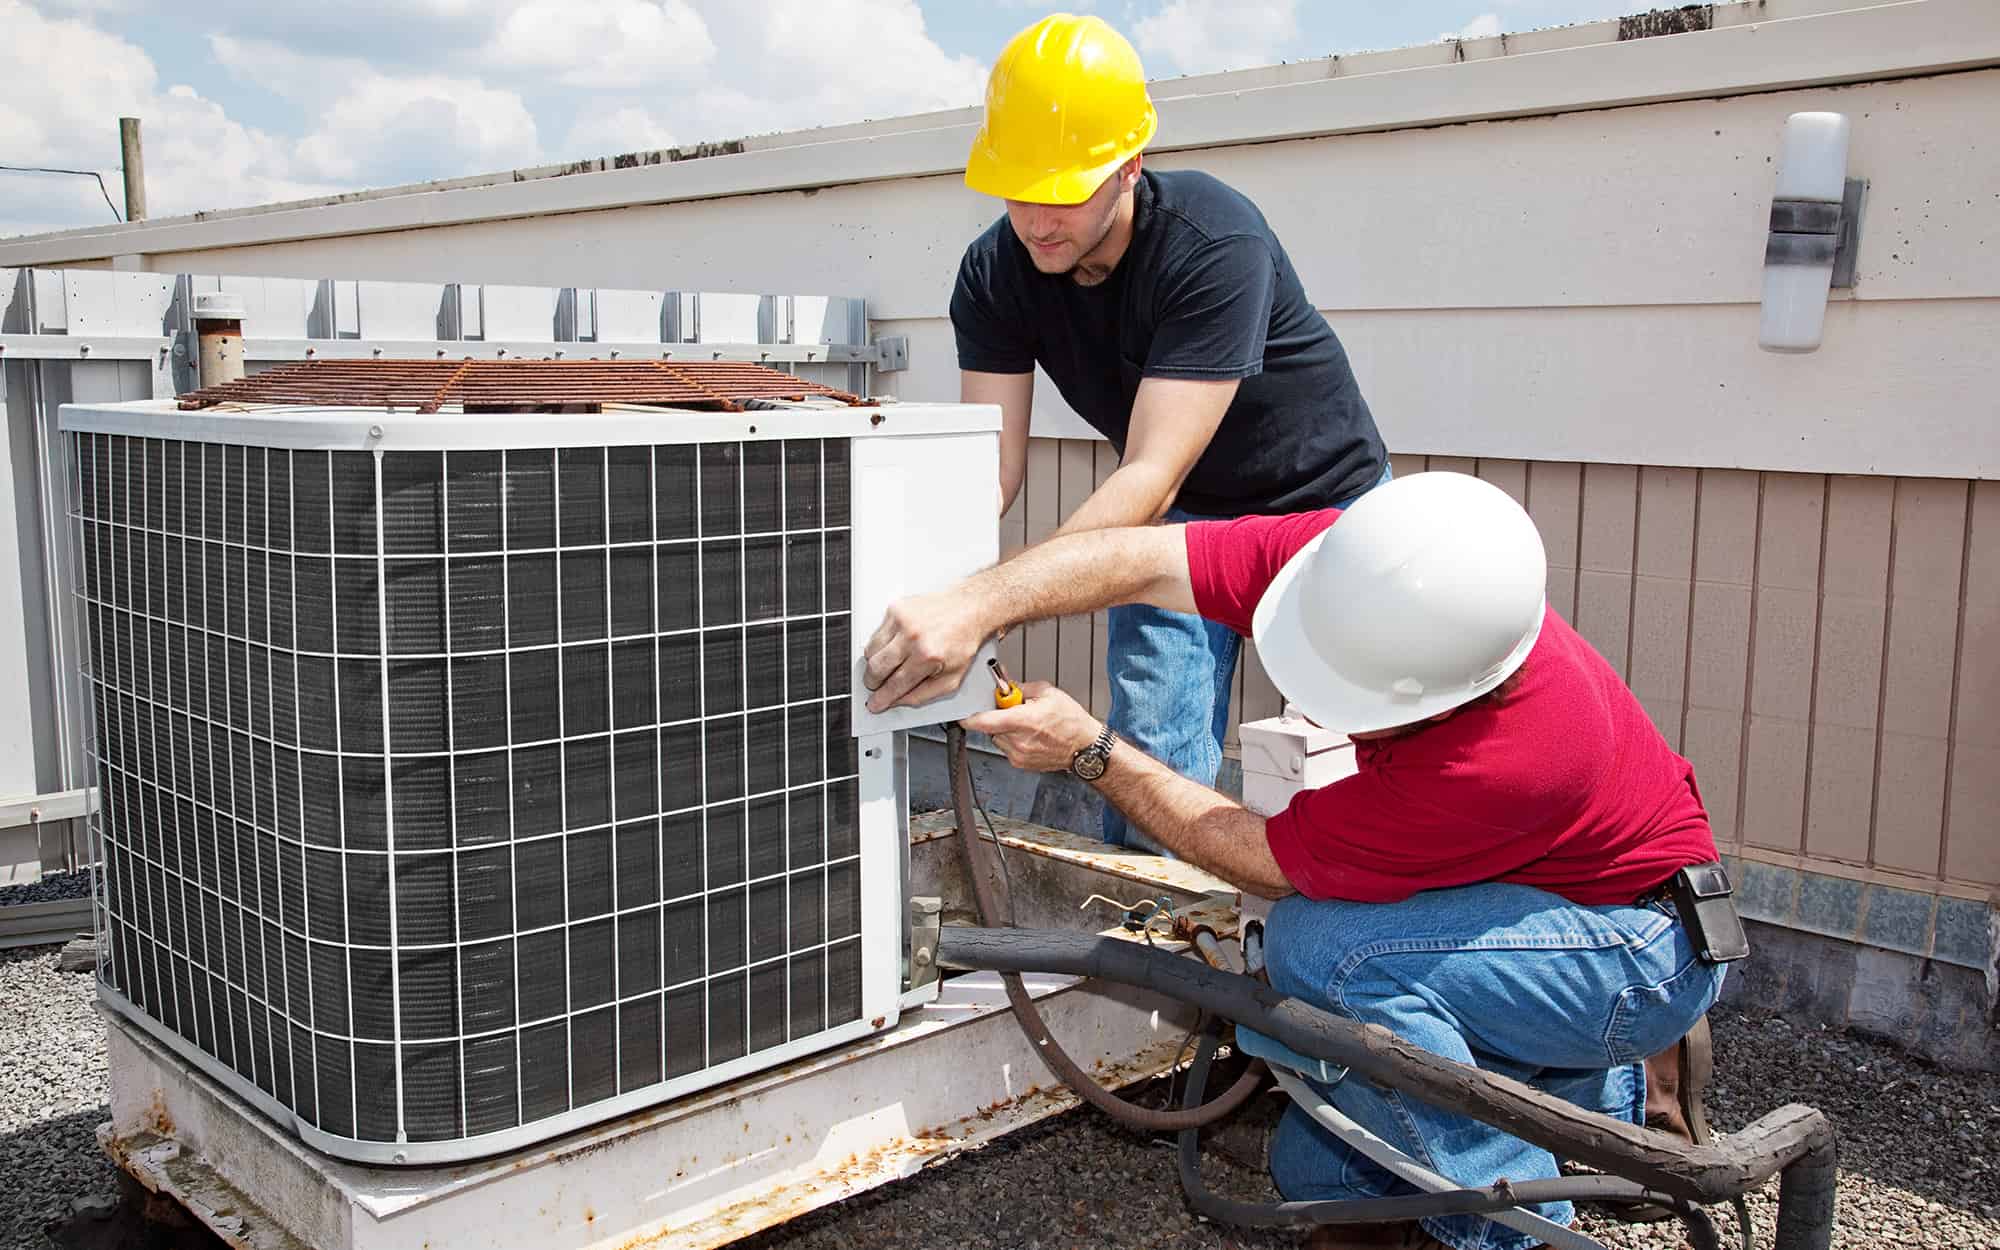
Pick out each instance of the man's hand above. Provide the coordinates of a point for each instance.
(1041, 735)
(923, 647)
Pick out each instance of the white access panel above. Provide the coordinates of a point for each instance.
(928, 530)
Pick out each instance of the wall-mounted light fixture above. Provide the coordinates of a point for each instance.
(1815, 219)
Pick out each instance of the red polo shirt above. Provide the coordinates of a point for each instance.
(1563, 783)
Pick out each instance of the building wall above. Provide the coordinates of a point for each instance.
(1544, 259)
(1824, 648)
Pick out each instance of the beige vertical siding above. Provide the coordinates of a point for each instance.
(1825, 649)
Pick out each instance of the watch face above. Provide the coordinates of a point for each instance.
(1088, 765)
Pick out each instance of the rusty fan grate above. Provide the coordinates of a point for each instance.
(513, 385)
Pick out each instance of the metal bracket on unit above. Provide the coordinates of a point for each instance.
(1815, 232)
(1844, 251)
(183, 362)
(895, 353)
(926, 920)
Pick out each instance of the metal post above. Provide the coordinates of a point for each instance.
(134, 159)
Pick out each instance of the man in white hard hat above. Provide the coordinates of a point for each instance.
(1520, 874)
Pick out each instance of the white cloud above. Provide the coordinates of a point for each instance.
(1485, 26)
(375, 128)
(1201, 36)
(68, 82)
(602, 128)
(834, 61)
(389, 91)
(386, 129)
(619, 43)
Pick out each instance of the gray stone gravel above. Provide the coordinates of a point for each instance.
(52, 1092)
(1920, 1154)
(1920, 1149)
(52, 887)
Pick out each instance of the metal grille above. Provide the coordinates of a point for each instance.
(443, 793)
(513, 385)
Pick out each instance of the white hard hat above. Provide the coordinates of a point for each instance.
(1426, 594)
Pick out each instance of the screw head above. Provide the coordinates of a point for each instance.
(374, 431)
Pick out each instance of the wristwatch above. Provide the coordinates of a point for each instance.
(1089, 763)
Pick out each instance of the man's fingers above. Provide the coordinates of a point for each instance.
(936, 687)
(997, 722)
(885, 659)
(1036, 689)
(884, 651)
(896, 687)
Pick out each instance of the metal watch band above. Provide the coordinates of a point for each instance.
(1089, 763)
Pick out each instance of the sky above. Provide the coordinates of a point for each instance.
(256, 101)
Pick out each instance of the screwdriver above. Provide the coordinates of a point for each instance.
(1005, 692)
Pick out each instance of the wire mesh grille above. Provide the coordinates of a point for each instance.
(443, 793)
(513, 385)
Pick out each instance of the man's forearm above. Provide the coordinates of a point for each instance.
(1078, 573)
(1136, 494)
(1194, 822)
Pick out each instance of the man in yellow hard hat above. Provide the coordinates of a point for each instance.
(1169, 317)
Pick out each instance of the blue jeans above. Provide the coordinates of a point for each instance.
(1511, 979)
(1170, 678)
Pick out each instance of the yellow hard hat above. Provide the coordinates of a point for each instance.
(1066, 105)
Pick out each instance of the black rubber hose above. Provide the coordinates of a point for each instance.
(1498, 1197)
(1806, 1201)
(1713, 1172)
(1065, 1068)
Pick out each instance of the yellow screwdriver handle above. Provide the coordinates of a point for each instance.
(1006, 691)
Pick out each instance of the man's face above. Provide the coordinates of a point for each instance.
(1058, 236)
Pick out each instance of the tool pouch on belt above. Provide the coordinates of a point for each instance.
(1701, 895)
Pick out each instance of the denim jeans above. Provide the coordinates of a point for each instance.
(1170, 677)
(1568, 998)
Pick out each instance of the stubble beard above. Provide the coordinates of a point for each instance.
(1085, 273)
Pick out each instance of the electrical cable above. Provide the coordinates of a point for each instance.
(1058, 1060)
(81, 173)
(999, 851)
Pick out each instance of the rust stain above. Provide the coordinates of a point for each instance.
(156, 1115)
(513, 385)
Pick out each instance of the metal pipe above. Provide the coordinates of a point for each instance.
(132, 153)
(218, 327)
(1211, 950)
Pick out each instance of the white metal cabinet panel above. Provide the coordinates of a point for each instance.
(399, 310)
(273, 308)
(17, 511)
(927, 516)
(517, 312)
(103, 302)
(628, 316)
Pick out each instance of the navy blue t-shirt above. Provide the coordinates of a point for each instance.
(1204, 291)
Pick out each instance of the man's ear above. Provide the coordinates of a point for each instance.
(1128, 173)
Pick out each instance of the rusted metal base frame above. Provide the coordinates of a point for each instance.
(706, 1171)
